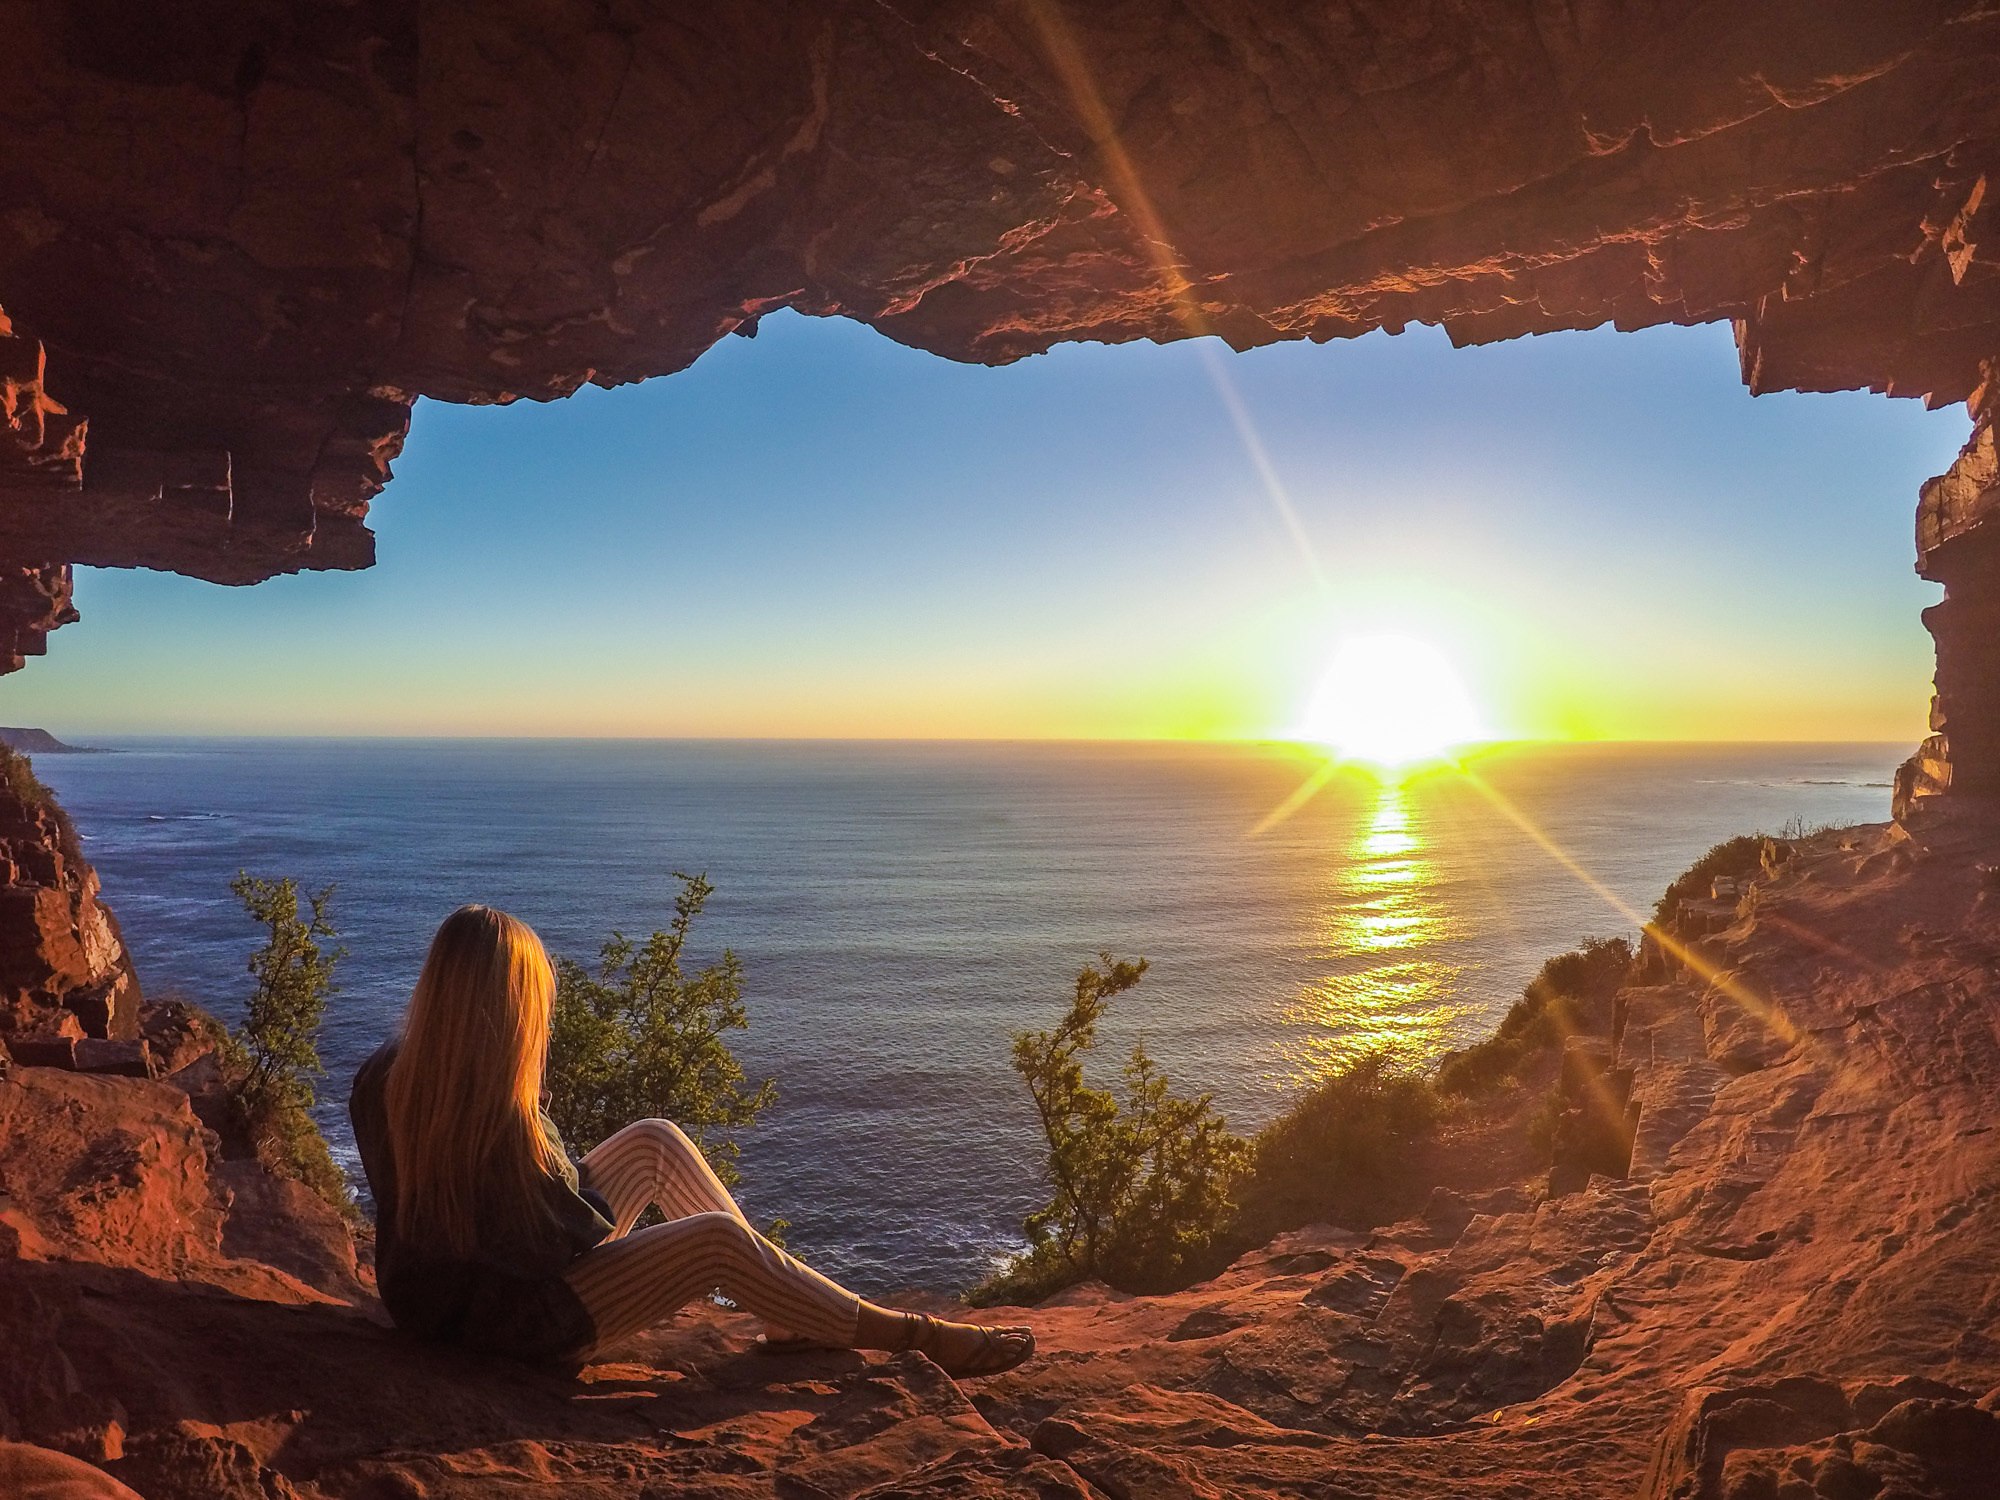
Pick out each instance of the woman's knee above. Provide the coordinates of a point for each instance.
(715, 1230)
(665, 1134)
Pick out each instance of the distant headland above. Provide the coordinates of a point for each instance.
(40, 742)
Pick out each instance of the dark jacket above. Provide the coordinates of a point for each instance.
(508, 1298)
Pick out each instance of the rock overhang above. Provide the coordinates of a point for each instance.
(238, 239)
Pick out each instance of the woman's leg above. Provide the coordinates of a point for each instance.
(653, 1162)
(636, 1281)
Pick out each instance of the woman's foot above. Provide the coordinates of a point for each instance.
(966, 1350)
(778, 1339)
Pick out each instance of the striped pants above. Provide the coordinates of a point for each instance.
(636, 1278)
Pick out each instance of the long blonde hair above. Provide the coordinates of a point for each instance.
(464, 1092)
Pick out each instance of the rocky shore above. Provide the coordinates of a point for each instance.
(1779, 1282)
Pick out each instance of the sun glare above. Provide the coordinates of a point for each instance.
(1389, 700)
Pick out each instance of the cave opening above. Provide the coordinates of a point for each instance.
(823, 536)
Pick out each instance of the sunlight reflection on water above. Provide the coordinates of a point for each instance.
(1378, 913)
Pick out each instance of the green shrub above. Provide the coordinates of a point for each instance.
(1555, 1004)
(1541, 1124)
(638, 1038)
(269, 1062)
(1151, 1192)
(17, 776)
(1140, 1184)
(1342, 1151)
(1738, 857)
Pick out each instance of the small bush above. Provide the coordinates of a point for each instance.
(269, 1063)
(1342, 1151)
(638, 1038)
(1541, 1125)
(1738, 857)
(1141, 1184)
(1554, 1004)
(17, 776)
(1035, 1275)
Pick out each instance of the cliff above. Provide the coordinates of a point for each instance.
(64, 974)
(1782, 1286)
(36, 742)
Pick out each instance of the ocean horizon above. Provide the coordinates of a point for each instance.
(901, 907)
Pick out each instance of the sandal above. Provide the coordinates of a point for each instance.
(998, 1350)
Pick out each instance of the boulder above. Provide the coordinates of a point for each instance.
(31, 1473)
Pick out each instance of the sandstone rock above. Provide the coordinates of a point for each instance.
(110, 1170)
(1773, 856)
(63, 965)
(1816, 1438)
(48, 1049)
(177, 1034)
(31, 1473)
(194, 1461)
(132, 1059)
(34, 600)
(282, 1223)
(893, 1420)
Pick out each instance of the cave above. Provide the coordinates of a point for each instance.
(240, 238)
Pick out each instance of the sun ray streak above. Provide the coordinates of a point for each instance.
(1307, 790)
(1753, 1005)
(1260, 460)
(1063, 51)
(1067, 57)
(1821, 941)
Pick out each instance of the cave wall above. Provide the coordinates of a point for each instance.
(1958, 545)
(239, 237)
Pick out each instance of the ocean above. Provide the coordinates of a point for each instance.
(902, 909)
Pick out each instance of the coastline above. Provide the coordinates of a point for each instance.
(902, 912)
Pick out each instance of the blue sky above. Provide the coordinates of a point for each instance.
(819, 532)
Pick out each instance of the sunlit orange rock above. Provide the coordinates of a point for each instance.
(63, 964)
(31, 1473)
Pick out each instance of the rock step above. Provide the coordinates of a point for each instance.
(1672, 1100)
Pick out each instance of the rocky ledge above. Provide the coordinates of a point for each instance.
(1788, 1292)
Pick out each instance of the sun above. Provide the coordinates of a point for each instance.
(1390, 700)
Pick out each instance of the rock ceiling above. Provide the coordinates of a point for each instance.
(239, 237)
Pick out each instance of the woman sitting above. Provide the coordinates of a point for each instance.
(489, 1237)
